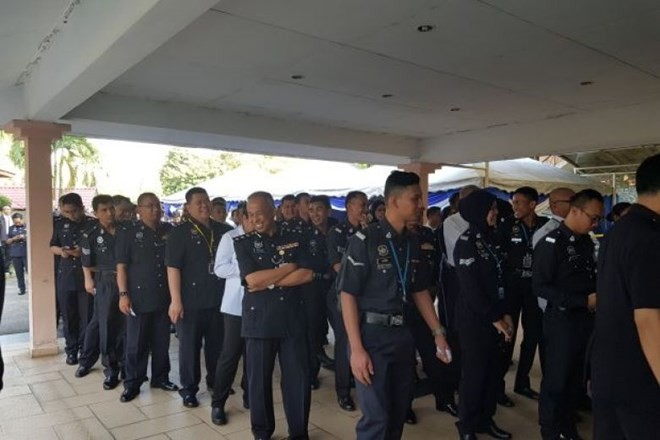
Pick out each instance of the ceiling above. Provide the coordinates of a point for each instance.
(491, 79)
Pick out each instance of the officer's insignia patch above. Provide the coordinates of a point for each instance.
(550, 240)
(313, 246)
(515, 229)
(428, 247)
(382, 250)
(338, 230)
(466, 261)
(284, 247)
(571, 251)
(194, 232)
(99, 239)
(258, 244)
(66, 225)
(479, 245)
(139, 235)
(281, 252)
(86, 251)
(353, 262)
(360, 235)
(388, 235)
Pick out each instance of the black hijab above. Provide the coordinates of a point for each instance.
(474, 209)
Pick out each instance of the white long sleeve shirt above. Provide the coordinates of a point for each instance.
(226, 266)
(453, 227)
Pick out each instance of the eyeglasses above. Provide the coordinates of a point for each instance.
(595, 219)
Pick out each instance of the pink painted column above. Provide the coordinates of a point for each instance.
(422, 169)
(37, 138)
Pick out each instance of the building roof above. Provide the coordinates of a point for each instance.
(17, 195)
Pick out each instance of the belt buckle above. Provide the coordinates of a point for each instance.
(396, 321)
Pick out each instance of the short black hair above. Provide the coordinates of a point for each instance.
(119, 199)
(528, 192)
(241, 208)
(219, 201)
(289, 197)
(195, 190)
(268, 197)
(17, 215)
(324, 200)
(432, 210)
(71, 199)
(101, 199)
(617, 210)
(301, 196)
(398, 180)
(353, 195)
(647, 179)
(580, 199)
(146, 195)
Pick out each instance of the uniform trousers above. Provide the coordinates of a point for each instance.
(233, 347)
(447, 302)
(296, 392)
(482, 357)
(317, 322)
(112, 323)
(342, 364)
(91, 350)
(147, 333)
(565, 335)
(385, 402)
(197, 327)
(76, 307)
(524, 307)
(624, 422)
(20, 267)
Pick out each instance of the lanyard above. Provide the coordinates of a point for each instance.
(498, 261)
(403, 275)
(208, 243)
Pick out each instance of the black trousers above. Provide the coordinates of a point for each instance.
(447, 303)
(6, 258)
(623, 422)
(197, 327)
(76, 307)
(296, 392)
(565, 335)
(91, 350)
(483, 354)
(147, 333)
(233, 347)
(385, 402)
(20, 267)
(524, 306)
(342, 364)
(316, 312)
(112, 324)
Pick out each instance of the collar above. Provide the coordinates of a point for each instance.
(645, 213)
(568, 233)
(390, 232)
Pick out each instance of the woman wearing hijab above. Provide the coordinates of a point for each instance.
(377, 210)
(482, 321)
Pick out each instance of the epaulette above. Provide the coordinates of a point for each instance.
(360, 235)
(243, 237)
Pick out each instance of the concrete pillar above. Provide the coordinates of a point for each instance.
(422, 169)
(37, 138)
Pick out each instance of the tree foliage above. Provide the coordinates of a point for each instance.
(183, 169)
(4, 200)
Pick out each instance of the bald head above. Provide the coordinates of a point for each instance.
(560, 201)
(467, 190)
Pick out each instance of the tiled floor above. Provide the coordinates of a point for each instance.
(43, 400)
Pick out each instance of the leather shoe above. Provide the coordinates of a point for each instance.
(82, 371)
(129, 394)
(505, 401)
(495, 431)
(346, 403)
(190, 401)
(315, 383)
(71, 359)
(326, 361)
(165, 385)
(527, 392)
(449, 408)
(110, 383)
(411, 417)
(218, 416)
(468, 437)
(570, 437)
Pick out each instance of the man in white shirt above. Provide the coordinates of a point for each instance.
(455, 225)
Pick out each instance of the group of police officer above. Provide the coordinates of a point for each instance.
(452, 292)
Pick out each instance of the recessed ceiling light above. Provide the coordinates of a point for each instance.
(386, 95)
(586, 83)
(425, 28)
(455, 109)
(297, 76)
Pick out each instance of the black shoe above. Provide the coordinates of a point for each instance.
(346, 403)
(246, 402)
(129, 394)
(82, 371)
(570, 437)
(494, 431)
(505, 401)
(411, 417)
(527, 392)
(449, 408)
(21, 293)
(218, 416)
(72, 359)
(467, 437)
(326, 361)
(315, 383)
(165, 385)
(110, 383)
(190, 401)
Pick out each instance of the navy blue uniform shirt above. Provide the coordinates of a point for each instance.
(18, 248)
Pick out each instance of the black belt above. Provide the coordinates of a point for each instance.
(386, 320)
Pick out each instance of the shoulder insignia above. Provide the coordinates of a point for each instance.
(428, 247)
(353, 262)
(360, 235)
(463, 237)
(466, 261)
(241, 237)
(550, 240)
(338, 230)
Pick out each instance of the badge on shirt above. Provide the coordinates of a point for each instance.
(527, 261)
(384, 263)
(211, 267)
(382, 250)
(258, 247)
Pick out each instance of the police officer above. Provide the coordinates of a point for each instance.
(99, 268)
(625, 358)
(301, 208)
(287, 208)
(219, 210)
(196, 292)
(564, 275)
(17, 242)
(75, 303)
(517, 234)
(337, 240)
(483, 323)
(144, 297)
(273, 262)
(381, 278)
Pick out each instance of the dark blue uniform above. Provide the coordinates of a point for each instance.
(564, 274)
(191, 248)
(18, 253)
(481, 302)
(274, 323)
(98, 253)
(75, 303)
(519, 251)
(142, 250)
(382, 269)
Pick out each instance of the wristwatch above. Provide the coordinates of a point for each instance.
(123, 293)
(440, 331)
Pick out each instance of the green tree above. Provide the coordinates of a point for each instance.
(74, 160)
(183, 169)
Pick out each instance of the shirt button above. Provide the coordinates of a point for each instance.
(252, 308)
(194, 284)
(281, 298)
